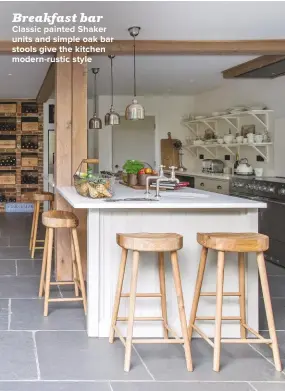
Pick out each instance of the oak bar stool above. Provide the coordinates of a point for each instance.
(56, 219)
(37, 199)
(159, 243)
(240, 243)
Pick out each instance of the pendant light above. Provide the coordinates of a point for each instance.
(112, 118)
(134, 111)
(95, 122)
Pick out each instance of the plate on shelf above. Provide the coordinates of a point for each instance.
(200, 117)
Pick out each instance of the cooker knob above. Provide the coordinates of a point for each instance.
(271, 189)
(282, 191)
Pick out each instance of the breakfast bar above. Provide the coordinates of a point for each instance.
(186, 212)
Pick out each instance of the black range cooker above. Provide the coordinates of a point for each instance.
(271, 221)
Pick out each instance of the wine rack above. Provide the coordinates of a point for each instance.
(21, 151)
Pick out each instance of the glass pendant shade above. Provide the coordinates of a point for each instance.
(112, 118)
(134, 111)
(95, 122)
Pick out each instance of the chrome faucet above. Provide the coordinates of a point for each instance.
(163, 178)
(149, 178)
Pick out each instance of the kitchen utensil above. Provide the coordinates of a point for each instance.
(258, 171)
(244, 168)
(258, 138)
(239, 139)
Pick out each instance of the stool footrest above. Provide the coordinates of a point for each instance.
(62, 283)
(246, 340)
(224, 294)
(160, 340)
(142, 295)
(67, 299)
(141, 318)
(213, 318)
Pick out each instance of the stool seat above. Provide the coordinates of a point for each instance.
(43, 196)
(59, 219)
(234, 242)
(150, 241)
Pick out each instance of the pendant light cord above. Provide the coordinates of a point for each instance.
(112, 83)
(95, 103)
(135, 87)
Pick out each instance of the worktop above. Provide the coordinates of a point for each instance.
(186, 198)
(186, 212)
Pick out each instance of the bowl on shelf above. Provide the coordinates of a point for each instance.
(220, 141)
(258, 138)
(198, 142)
(239, 139)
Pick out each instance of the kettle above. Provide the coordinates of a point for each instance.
(244, 168)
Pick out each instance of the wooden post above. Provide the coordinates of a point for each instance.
(79, 144)
(71, 148)
(63, 167)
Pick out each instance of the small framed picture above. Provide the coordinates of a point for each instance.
(245, 129)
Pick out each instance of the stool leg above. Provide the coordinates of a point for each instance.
(74, 268)
(180, 302)
(51, 205)
(268, 310)
(44, 264)
(37, 213)
(132, 304)
(79, 268)
(219, 310)
(48, 269)
(197, 291)
(163, 292)
(33, 228)
(241, 267)
(118, 294)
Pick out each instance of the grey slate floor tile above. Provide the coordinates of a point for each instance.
(4, 313)
(17, 359)
(18, 253)
(28, 315)
(54, 386)
(266, 350)
(19, 287)
(4, 241)
(274, 270)
(238, 363)
(73, 356)
(269, 386)
(28, 267)
(187, 386)
(20, 241)
(7, 267)
(278, 306)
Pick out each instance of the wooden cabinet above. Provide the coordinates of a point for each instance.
(212, 184)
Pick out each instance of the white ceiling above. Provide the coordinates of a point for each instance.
(158, 20)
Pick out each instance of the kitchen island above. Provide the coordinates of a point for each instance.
(185, 212)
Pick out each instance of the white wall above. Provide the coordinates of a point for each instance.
(250, 92)
(168, 112)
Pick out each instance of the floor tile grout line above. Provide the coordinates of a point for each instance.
(36, 356)
(143, 363)
(266, 358)
(16, 266)
(138, 381)
(255, 389)
(59, 290)
(9, 313)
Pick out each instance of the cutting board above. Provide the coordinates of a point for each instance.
(169, 155)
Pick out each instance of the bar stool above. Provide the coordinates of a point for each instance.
(52, 220)
(240, 243)
(37, 199)
(159, 243)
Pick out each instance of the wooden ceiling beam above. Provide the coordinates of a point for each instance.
(249, 66)
(48, 86)
(154, 47)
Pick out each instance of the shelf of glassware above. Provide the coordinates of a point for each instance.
(261, 148)
(233, 119)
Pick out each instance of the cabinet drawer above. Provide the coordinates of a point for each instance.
(213, 185)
